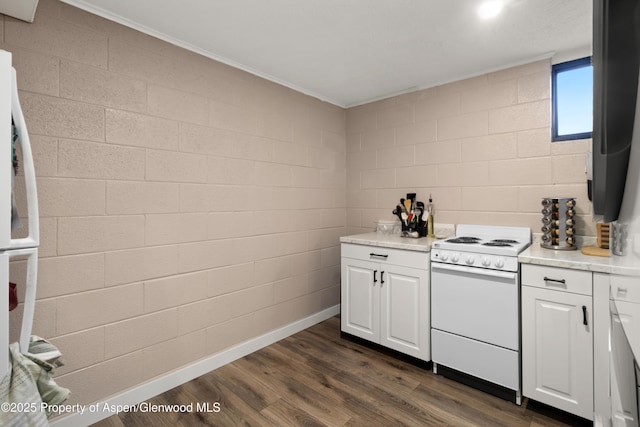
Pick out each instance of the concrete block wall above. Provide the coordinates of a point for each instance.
(481, 146)
(186, 206)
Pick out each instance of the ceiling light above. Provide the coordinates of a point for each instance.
(489, 9)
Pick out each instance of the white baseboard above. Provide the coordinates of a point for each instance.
(183, 375)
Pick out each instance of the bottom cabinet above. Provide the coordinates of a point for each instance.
(557, 349)
(360, 305)
(385, 303)
(403, 309)
(624, 343)
(624, 406)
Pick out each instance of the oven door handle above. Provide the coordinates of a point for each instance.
(474, 270)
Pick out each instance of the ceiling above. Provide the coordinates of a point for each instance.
(349, 52)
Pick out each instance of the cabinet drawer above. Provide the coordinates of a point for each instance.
(625, 288)
(561, 279)
(412, 259)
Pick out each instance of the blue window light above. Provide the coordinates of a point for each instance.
(572, 100)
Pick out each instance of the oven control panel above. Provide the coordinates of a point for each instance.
(472, 259)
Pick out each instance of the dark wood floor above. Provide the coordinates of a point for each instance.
(319, 378)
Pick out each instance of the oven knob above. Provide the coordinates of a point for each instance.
(486, 261)
(500, 262)
(455, 257)
(470, 260)
(444, 256)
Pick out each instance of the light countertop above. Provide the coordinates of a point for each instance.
(535, 254)
(422, 244)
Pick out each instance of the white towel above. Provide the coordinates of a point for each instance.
(24, 388)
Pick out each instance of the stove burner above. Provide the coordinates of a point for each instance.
(464, 240)
(496, 243)
(505, 240)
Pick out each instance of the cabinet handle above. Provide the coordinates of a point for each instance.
(375, 280)
(382, 277)
(584, 315)
(560, 281)
(374, 255)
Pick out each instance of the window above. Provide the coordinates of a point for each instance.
(572, 100)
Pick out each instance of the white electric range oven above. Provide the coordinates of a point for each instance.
(475, 294)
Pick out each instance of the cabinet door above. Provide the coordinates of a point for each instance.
(557, 350)
(404, 310)
(630, 319)
(360, 305)
(624, 409)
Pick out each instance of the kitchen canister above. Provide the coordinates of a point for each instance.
(388, 227)
(558, 223)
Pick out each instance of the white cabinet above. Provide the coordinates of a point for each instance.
(360, 305)
(624, 404)
(385, 297)
(557, 338)
(404, 310)
(624, 342)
